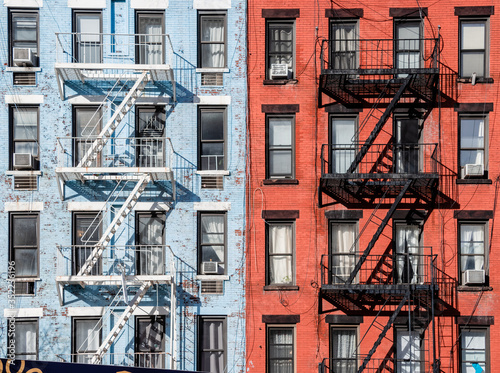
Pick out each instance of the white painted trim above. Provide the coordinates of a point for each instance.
(86, 206)
(211, 4)
(23, 206)
(99, 311)
(23, 312)
(212, 206)
(213, 173)
(212, 70)
(151, 206)
(151, 310)
(23, 173)
(87, 4)
(149, 4)
(23, 3)
(86, 311)
(86, 100)
(212, 277)
(23, 99)
(212, 100)
(21, 69)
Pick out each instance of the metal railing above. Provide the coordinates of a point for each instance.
(350, 365)
(102, 48)
(387, 269)
(131, 359)
(118, 152)
(380, 159)
(340, 55)
(116, 260)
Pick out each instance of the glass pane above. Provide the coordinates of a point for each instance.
(24, 28)
(343, 130)
(87, 335)
(212, 125)
(280, 132)
(213, 334)
(472, 62)
(151, 229)
(24, 230)
(150, 335)
(26, 147)
(212, 362)
(212, 55)
(88, 122)
(280, 269)
(472, 133)
(26, 338)
(343, 343)
(212, 228)
(212, 29)
(280, 162)
(473, 35)
(471, 157)
(89, 26)
(87, 229)
(280, 239)
(151, 123)
(26, 262)
(212, 254)
(25, 123)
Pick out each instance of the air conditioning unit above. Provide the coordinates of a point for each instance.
(22, 161)
(279, 70)
(471, 170)
(210, 268)
(23, 57)
(473, 276)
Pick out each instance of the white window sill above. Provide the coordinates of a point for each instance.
(213, 173)
(213, 70)
(23, 173)
(19, 69)
(27, 279)
(212, 277)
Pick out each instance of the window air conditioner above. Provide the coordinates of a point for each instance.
(210, 267)
(23, 161)
(473, 276)
(470, 170)
(279, 70)
(23, 57)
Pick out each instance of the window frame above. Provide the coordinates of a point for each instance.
(334, 222)
(74, 26)
(332, 167)
(12, 13)
(152, 319)
(37, 329)
(420, 274)
(336, 327)
(153, 214)
(421, 338)
(485, 147)
(291, 148)
(486, 50)
(74, 348)
(201, 110)
(344, 21)
(284, 222)
(12, 249)
(486, 231)
(486, 329)
(280, 22)
(288, 327)
(12, 142)
(201, 214)
(207, 318)
(97, 269)
(397, 50)
(208, 13)
(142, 14)
(76, 155)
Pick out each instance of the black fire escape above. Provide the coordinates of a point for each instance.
(383, 169)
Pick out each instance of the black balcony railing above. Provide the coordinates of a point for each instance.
(350, 365)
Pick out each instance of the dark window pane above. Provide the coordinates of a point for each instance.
(25, 231)
(212, 125)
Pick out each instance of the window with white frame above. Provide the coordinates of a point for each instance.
(280, 147)
(280, 349)
(24, 126)
(473, 151)
(86, 338)
(474, 41)
(212, 40)
(212, 242)
(343, 250)
(24, 244)
(212, 344)
(25, 339)
(23, 38)
(280, 253)
(280, 52)
(474, 349)
(473, 253)
(343, 349)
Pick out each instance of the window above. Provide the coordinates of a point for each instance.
(280, 253)
(212, 344)
(86, 233)
(474, 47)
(149, 128)
(474, 349)
(23, 36)
(280, 349)
(407, 133)
(343, 49)
(473, 146)
(343, 250)
(407, 49)
(472, 241)
(24, 242)
(26, 339)
(280, 49)
(150, 342)
(86, 338)
(212, 40)
(409, 351)
(86, 126)
(212, 243)
(409, 261)
(212, 135)
(280, 147)
(24, 134)
(343, 143)
(150, 30)
(87, 28)
(150, 240)
(343, 349)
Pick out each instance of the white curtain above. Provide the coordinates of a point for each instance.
(344, 359)
(343, 149)
(343, 252)
(472, 246)
(86, 339)
(408, 352)
(26, 337)
(213, 53)
(344, 47)
(407, 252)
(213, 347)
(150, 41)
(151, 232)
(89, 38)
(280, 254)
(281, 350)
(212, 238)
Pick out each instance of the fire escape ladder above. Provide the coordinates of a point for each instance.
(113, 122)
(380, 124)
(384, 332)
(120, 216)
(122, 321)
(379, 231)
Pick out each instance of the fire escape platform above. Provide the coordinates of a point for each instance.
(113, 280)
(112, 71)
(113, 173)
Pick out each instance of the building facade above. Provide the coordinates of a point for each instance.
(123, 166)
(372, 187)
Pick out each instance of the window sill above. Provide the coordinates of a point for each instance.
(27, 279)
(212, 70)
(213, 173)
(23, 173)
(478, 80)
(17, 69)
(212, 277)
(281, 288)
(280, 182)
(465, 288)
(280, 81)
(474, 181)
